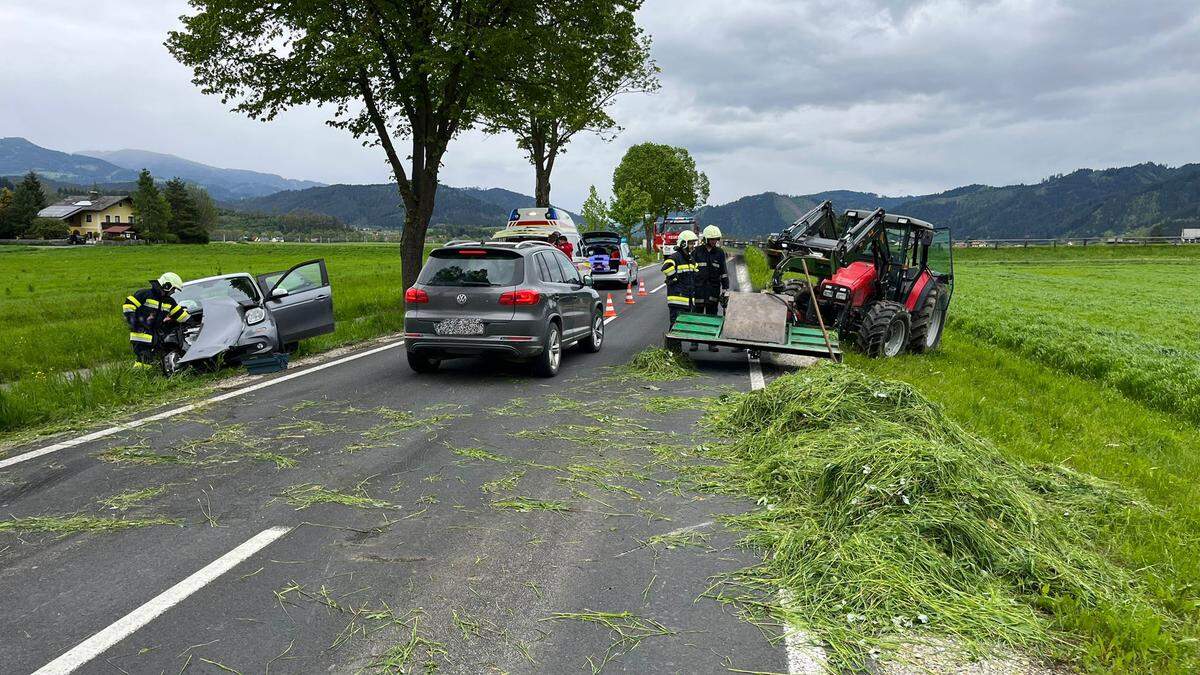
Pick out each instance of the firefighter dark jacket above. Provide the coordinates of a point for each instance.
(680, 271)
(150, 310)
(712, 275)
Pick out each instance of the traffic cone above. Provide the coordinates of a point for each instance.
(609, 310)
(642, 288)
(629, 294)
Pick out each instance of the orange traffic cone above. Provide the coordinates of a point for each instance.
(642, 288)
(609, 310)
(629, 294)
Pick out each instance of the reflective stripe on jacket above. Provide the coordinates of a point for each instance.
(713, 275)
(680, 271)
(147, 310)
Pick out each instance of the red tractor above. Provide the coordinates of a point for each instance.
(884, 281)
(878, 280)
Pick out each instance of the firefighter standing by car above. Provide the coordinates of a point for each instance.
(712, 276)
(150, 312)
(680, 270)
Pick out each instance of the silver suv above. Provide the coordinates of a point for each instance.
(523, 301)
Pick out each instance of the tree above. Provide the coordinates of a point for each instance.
(27, 200)
(628, 210)
(206, 209)
(6, 197)
(580, 57)
(185, 224)
(594, 211)
(418, 71)
(152, 211)
(667, 174)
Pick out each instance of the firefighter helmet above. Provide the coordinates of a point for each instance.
(687, 236)
(170, 281)
(712, 232)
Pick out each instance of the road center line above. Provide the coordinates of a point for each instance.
(125, 626)
(132, 424)
(804, 656)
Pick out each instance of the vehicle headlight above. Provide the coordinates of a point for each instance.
(255, 315)
(842, 294)
(827, 292)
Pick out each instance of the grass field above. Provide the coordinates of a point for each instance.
(60, 311)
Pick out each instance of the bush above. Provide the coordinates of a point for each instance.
(47, 228)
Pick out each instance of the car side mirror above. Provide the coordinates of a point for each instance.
(587, 280)
(279, 293)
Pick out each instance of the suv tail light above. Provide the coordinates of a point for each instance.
(525, 296)
(416, 296)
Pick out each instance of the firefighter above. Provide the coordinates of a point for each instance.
(712, 276)
(149, 312)
(680, 270)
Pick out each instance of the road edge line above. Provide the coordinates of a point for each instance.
(133, 424)
(122, 628)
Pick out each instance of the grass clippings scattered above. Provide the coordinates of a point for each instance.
(131, 498)
(417, 646)
(884, 522)
(506, 483)
(309, 494)
(140, 454)
(281, 461)
(657, 364)
(661, 405)
(72, 524)
(674, 540)
(626, 628)
(480, 453)
(529, 505)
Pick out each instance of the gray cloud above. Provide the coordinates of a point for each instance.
(897, 96)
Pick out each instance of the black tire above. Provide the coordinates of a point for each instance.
(927, 323)
(422, 364)
(548, 362)
(291, 347)
(593, 342)
(168, 362)
(884, 330)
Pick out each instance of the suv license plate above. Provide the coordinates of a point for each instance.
(459, 327)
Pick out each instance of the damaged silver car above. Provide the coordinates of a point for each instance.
(240, 316)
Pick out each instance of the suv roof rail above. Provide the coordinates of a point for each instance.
(528, 243)
(462, 242)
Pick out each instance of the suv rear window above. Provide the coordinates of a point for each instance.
(472, 267)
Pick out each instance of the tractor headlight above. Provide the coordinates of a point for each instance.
(255, 315)
(842, 294)
(827, 292)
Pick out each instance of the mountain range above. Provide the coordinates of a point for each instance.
(379, 206)
(19, 156)
(1143, 199)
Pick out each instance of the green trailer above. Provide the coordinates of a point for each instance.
(756, 322)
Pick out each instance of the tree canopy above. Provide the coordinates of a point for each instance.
(420, 71)
(26, 200)
(151, 209)
(578, 59)
(666, 174)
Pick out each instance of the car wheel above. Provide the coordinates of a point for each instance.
(169, 362)
(422, 364)
(594, 341)
(550, 359)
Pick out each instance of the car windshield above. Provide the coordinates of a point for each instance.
(237, 289)
(471, 267)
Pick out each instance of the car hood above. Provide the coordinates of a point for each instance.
(220, 329)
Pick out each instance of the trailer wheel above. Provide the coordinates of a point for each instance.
(884, 330)
(927, 323)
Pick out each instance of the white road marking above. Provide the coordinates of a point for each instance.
(659, 288)
(132, 424)
(804, 655)
(125, 626)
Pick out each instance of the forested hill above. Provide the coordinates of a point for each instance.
(1137, 199)
(379, 206)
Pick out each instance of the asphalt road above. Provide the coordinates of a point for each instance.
(493, 517)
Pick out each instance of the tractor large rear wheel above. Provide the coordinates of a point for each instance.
(884, 330)
(927, 323)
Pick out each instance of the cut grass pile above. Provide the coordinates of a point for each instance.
(883, 520)
(73, 524)
(658, 364)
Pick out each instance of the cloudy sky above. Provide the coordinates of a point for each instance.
(795, 96)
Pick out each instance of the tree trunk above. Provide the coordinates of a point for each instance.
(416, 223)
(541, 190)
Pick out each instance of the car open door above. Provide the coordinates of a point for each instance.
(300, 300)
